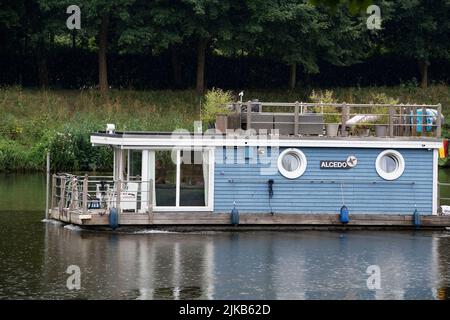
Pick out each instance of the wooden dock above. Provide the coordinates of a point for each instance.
(222, 220)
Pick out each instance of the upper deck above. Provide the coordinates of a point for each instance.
(301, 124)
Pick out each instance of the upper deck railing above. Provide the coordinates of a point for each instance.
(300, 118)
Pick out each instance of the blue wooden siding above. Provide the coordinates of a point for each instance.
(319, 190)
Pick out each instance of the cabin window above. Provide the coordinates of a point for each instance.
(182, 178)
(292, 163)
(390, 165)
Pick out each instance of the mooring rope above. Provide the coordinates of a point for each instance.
(342, 194)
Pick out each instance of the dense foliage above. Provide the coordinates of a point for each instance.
(191, 43)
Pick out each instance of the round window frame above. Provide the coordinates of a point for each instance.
(299, 171)
(398, 172)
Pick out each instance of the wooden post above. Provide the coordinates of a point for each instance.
(85, 194)
(401, 126)
(345, 116)
(53, 203)
(391, 121)
(296, 112)
(47, 189)
(424, 114)
(439, 121)
(408, 122)
(249, 115)
(414, 121)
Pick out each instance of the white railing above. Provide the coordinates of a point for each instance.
(85, 193)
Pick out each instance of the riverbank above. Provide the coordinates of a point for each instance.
(35, 121)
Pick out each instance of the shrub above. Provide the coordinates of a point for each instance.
(216, 101)
(331, 113)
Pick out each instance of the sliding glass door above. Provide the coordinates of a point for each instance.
(192, 179)
(182, 179)
(165, 179)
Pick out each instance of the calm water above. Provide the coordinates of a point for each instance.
(34, 256)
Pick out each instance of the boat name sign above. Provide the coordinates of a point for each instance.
(351, 162)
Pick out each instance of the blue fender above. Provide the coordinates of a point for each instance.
(343, 216)
(113, 218)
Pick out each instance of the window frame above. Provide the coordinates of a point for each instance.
(299, 171)
(177, 207)
(399, 170)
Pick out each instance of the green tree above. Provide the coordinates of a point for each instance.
(11, 14)
(164, 24)
(101, 19)
(298, 32)
(420, 29)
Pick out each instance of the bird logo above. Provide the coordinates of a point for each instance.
(352, 161)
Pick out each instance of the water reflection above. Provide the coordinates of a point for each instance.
(34, 257)
(259, 265)
(133, 266)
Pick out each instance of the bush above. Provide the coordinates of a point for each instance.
(13, 157)
(216, 101)
(331, 113)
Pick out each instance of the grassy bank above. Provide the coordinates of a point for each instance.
(33, 121)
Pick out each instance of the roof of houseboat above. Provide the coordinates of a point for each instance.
(142, 139)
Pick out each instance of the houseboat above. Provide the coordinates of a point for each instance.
(311, 165)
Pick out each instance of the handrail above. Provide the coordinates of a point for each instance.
(402, 119)
(318, 104)
(81, 193)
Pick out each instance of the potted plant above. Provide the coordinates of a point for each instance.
(331, 115)
(362, 129)
(382, 122)
(215, 109)
(332, 120)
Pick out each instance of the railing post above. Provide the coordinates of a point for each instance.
(62, 190)
(249, 115)
(391, 121)
(150, 194)
(85, 194)
(414, 120)
(439, 121)
(408, 121)
(74, 201)
(118, 191)
(400, 124)
(345, 116)
(53, 202)
(296, 112)
(424, 114)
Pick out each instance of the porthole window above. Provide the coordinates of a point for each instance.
(390, 165)
(292, 163)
